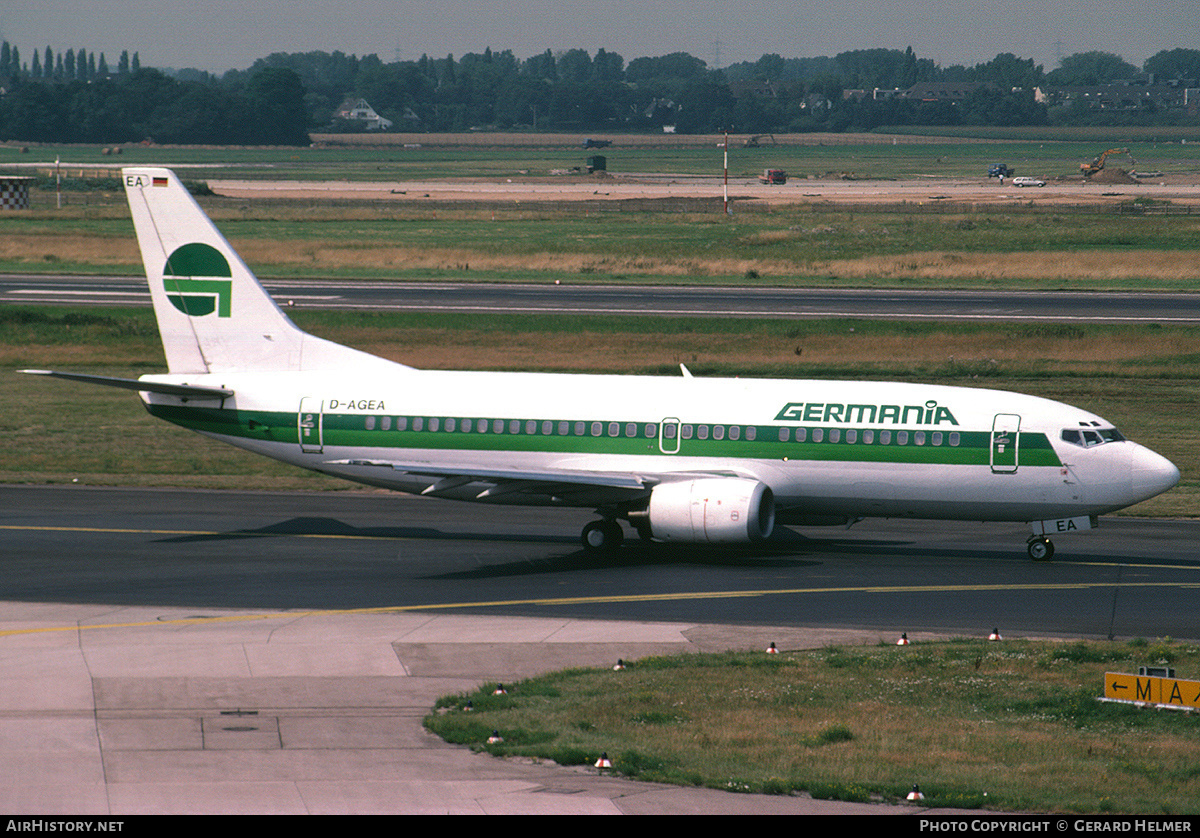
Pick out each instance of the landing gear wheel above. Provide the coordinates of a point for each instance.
(602, 536)
(1041, 549)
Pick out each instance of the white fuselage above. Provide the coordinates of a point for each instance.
(836, 448)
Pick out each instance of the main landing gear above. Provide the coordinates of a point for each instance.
(1040, 549)
(602, 536)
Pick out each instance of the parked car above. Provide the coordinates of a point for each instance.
(1028, 181)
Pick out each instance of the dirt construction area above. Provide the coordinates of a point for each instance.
(1115, 188)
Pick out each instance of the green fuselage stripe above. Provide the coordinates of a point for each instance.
(350, 430)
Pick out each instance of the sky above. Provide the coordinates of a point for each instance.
(218, 35)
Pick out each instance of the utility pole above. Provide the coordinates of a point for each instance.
(726, 149)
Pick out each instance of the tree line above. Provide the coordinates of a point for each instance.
(73, 96)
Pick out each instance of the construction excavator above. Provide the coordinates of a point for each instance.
(1089, 169)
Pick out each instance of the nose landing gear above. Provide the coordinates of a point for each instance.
(1040, 548)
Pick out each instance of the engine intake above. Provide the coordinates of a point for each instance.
(712, 510)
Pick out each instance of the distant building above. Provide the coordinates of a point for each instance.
(1120, 97)
(928, 91)
(357, 110)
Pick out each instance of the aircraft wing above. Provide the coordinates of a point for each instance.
(548, 482)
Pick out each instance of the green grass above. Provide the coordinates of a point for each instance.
(1140, 377)
(795, 246)
(1011, 726)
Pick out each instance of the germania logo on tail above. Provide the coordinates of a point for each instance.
(198, 297)
(677, 459)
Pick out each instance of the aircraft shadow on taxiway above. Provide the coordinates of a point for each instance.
(786, 548)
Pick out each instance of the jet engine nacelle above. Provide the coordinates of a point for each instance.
(712, 510)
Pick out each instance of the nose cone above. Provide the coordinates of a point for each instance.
(1152, 473)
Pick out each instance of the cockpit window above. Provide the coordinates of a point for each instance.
(1090, 438)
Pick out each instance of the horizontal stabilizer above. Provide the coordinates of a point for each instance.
(190, 391)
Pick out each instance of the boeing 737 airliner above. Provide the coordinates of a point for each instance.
(680, 459)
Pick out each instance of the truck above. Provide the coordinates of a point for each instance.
(773, 176)
(1001, 170)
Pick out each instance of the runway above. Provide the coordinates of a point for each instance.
(657, 301)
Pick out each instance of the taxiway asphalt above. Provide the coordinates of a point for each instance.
(203, 652)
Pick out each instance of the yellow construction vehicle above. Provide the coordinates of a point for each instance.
(1089, 169)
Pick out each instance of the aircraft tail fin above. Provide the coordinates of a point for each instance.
(212, 313)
